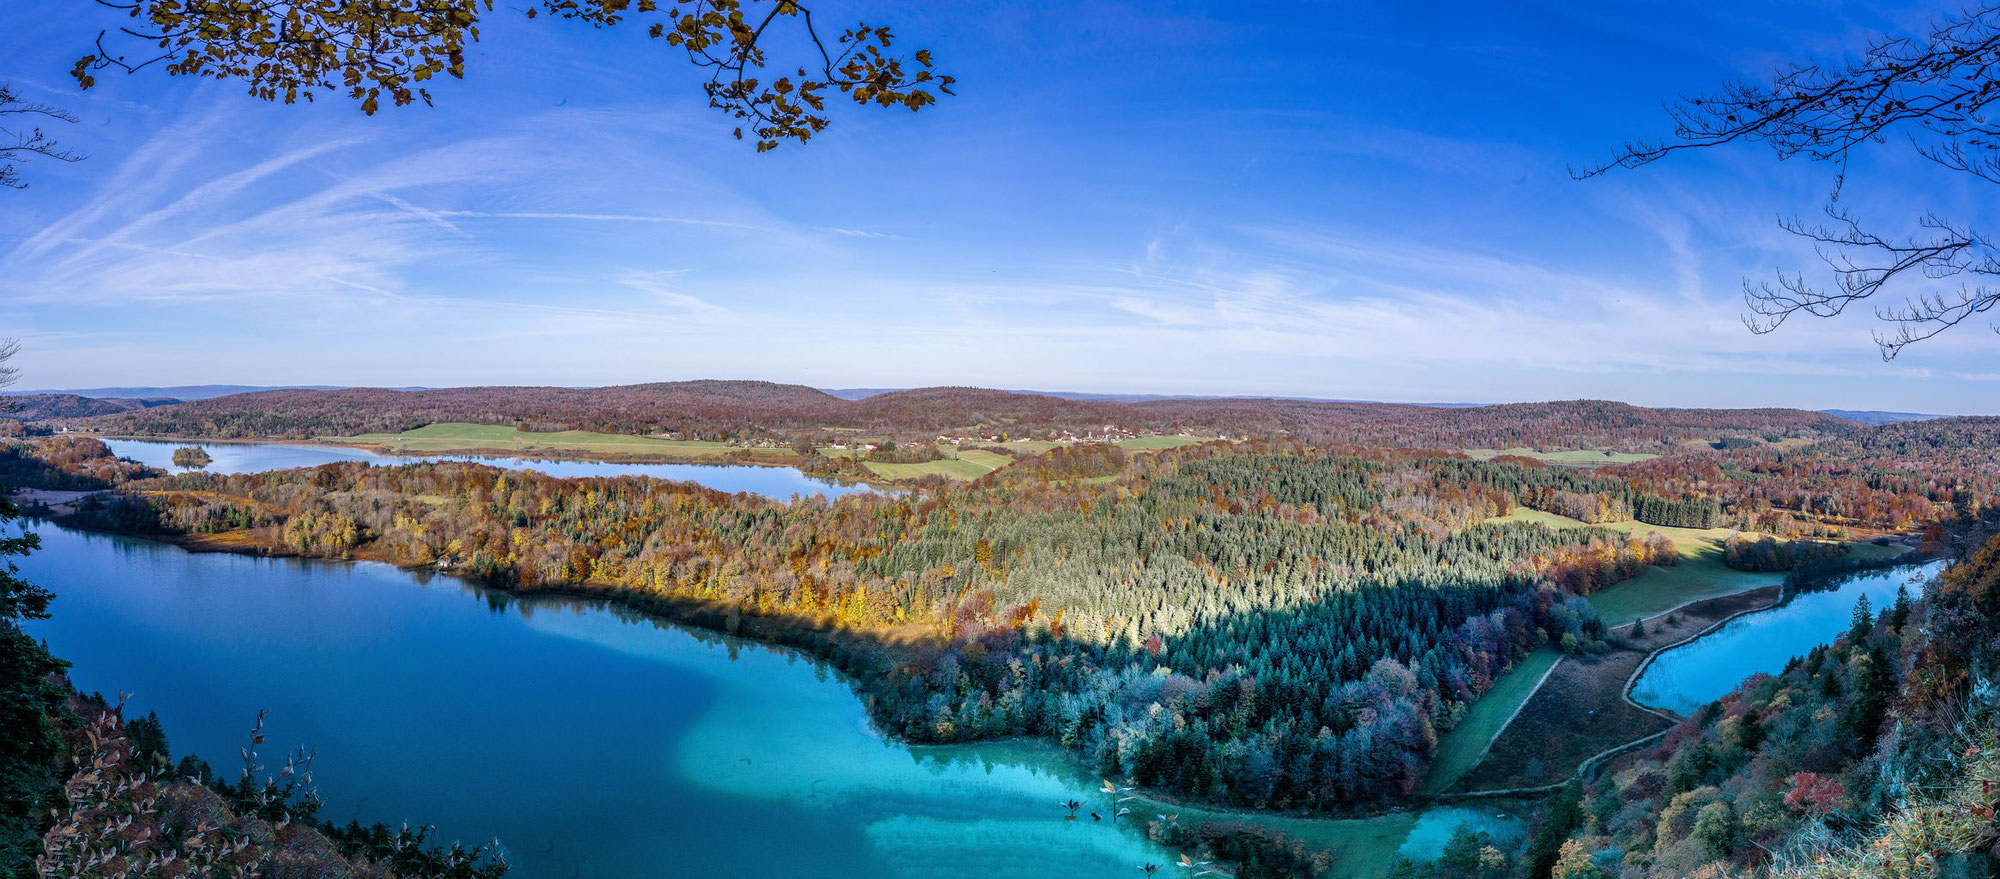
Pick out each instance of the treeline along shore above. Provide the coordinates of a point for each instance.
(1261, 624)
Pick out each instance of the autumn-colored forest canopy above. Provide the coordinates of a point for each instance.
(1288, 621)
(1309, 615)
(42, 407)
(746, 410)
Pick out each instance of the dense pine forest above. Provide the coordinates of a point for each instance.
(1066, 610)
(1275, 623)
(1260, 624)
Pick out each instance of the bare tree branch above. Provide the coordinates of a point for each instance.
(1942, 92)
(20, 142)
(1863, 263)
(9, 374)
(371, 50)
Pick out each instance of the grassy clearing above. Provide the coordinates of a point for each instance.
(1573, 457)
(990, 460)
(1461, 748)
(1156, 443)
(457, 437)
(1700, 573)
(949, 468)
(1032, 447)
(963, 464)
(972, 463)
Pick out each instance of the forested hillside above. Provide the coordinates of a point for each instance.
(1898, 476)
(1268, 623)
(43, 407)
(1308, 622)
(735, 410)
(697, 410)
(1875, 756)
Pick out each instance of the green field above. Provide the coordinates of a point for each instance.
(457, 436)
(1032, 447)
(990, 460)
(1459, 750)
(1573, 458)
(970, 464)
(960, 463)
(1699, 575)
(1156, 443)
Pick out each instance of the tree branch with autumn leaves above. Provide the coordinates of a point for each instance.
(369, 51)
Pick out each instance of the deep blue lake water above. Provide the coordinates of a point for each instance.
(592, 742)
(780, 483)
(596, 742)
(1688, 677)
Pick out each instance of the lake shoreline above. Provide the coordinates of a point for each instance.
(1581, 704)
(858, 653)
(745, 457)
(848, 652)
(1805, 615)
(703, 613)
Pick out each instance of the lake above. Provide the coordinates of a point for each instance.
(780, 483)
(1688, 677)
(591, 741)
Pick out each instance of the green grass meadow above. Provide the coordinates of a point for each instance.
(1460, 749)
(1573, 457)
(1156, 443)
(950, 468)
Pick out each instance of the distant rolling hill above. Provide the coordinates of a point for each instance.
(44, 407)
(1872, 416)
(1092, 397)
(176, 392)
(737, 410)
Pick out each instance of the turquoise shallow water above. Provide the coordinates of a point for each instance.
(1690, 676)
(589, 740)
(780, 483)
(1435, 827)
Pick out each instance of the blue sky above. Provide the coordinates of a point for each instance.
(1361, 201)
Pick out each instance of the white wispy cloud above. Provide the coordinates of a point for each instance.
(324, 220)
(599, 218)
(655, 285)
